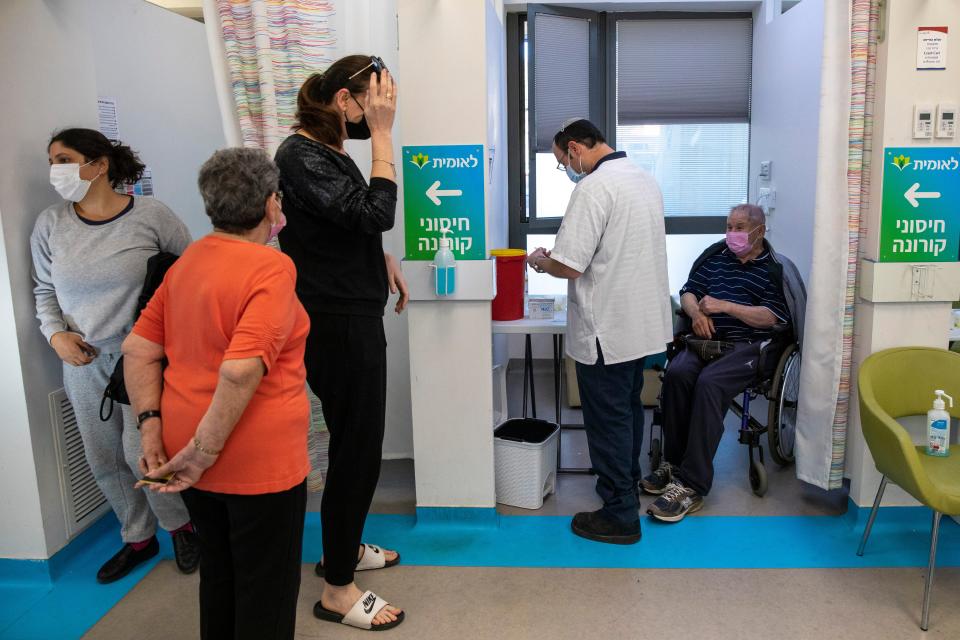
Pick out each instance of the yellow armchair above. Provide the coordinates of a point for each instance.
(900, 382)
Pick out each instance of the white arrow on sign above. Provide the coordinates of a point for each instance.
(434, 192)
(912, 195)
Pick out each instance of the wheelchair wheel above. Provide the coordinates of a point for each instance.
(656, 453)
(782, 416)
(758, 478)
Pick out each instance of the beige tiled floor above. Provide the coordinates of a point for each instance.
(585, 604)
(479, 603)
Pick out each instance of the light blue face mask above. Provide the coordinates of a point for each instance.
(573, 175)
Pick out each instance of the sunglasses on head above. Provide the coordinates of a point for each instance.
(376, 63)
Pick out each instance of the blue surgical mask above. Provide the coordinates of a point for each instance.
(573, 175)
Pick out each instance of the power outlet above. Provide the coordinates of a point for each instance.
(767, 198)
(766, 167)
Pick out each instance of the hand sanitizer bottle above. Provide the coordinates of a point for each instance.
(445, 268)
(938, 426)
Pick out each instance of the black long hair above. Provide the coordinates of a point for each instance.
(125, 165)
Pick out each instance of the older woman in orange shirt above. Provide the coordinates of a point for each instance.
(231, 404)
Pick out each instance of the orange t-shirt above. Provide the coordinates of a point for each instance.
(228, 299)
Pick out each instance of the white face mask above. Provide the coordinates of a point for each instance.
(65, 178)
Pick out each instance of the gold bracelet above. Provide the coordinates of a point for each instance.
(393, 167)
(209, 452)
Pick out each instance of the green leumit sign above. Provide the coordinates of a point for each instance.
(920, 218)
(443, 195)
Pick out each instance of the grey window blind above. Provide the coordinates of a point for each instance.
(683, 70)
(561, 74)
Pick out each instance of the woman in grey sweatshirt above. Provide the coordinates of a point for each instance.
(90, 259)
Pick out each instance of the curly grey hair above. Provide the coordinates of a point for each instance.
(235, 184)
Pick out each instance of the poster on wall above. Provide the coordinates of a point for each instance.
(920, 215)
(143, 187)
(107, 118)
(443, 195)
(931, 48)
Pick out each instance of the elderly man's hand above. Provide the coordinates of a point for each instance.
(703, 327)
(710, 305)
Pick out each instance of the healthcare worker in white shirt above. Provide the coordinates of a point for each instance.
(611, 247)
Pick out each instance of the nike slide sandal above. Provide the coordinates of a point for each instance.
(372, 558)
(361, 615)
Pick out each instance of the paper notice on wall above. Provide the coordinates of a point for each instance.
(932, 48)
(143, 187)
(107, 117)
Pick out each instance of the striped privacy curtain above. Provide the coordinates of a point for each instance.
(270, 47)
(262, 51)
(843, 185)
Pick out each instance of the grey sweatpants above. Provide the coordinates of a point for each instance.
(113, 449)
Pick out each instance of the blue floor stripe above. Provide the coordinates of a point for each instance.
(74, 602)
(900, 538)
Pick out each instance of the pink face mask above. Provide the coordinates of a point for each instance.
(739, 241)
(275, 229)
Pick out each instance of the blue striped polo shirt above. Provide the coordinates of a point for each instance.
(724, 277)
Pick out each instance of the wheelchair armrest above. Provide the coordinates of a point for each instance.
(781, 328)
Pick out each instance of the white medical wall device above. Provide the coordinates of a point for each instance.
(922, 121)
(946, 120)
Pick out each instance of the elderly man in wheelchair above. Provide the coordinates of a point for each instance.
(744, 304)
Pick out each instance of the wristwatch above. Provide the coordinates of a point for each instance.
(146, 415)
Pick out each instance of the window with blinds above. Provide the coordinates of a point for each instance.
(683, 108)
(672, 90)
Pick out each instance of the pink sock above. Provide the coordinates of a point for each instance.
(140, 546)
(187, 527)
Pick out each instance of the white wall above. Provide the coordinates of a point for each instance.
(785, 114)
(370, 27)
(445, 62)
(885, 325)
(497, 192)
(59, 55)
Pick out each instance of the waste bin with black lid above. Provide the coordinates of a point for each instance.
(525, 454)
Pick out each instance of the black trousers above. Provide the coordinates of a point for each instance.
(613, 420)
(696, 396)
(346, 361)
(250, 558)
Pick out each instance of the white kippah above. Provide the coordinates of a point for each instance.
(570, 122)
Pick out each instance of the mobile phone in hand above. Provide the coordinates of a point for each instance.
(161, 481)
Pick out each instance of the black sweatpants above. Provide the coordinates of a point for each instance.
(250, 558)
(695, 397)
(346, 361)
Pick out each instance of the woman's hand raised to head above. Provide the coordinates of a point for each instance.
(381, 103)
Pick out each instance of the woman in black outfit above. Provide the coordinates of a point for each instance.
(333, 234)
